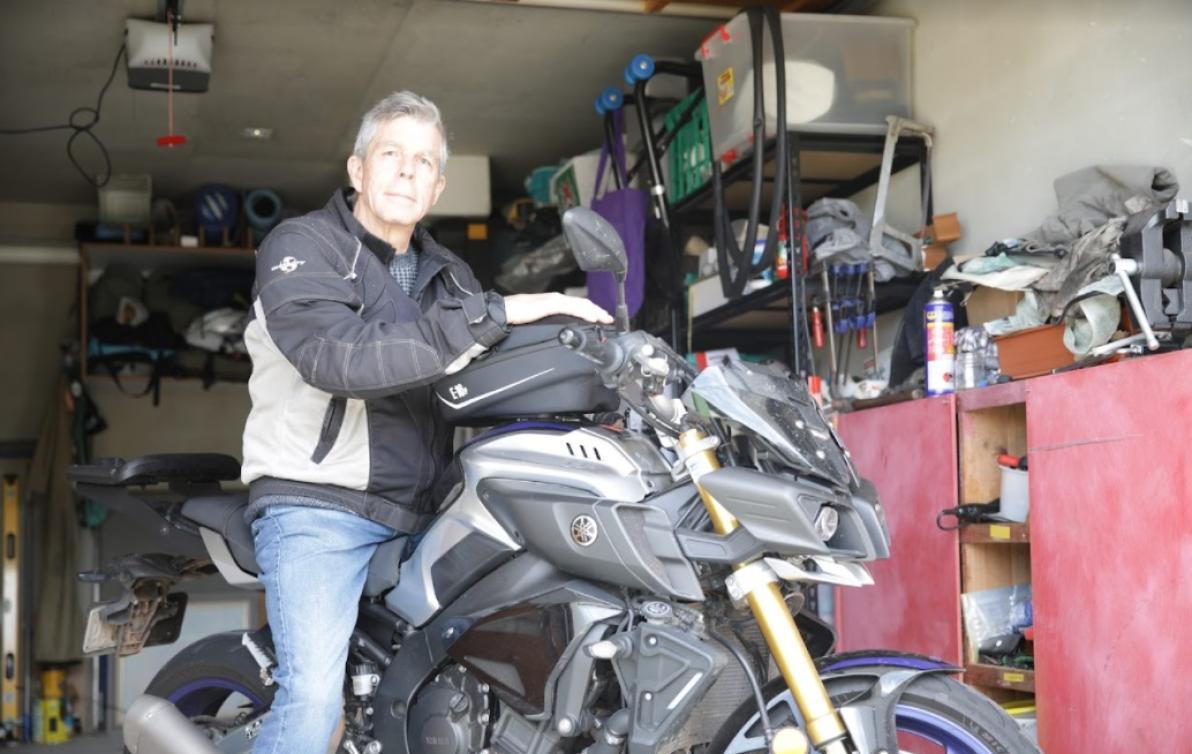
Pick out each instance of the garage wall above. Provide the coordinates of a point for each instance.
(35, 304)
(1022, 92)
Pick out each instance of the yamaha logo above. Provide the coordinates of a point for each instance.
(584, 530)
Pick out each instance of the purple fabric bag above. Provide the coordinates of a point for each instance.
(626, 210)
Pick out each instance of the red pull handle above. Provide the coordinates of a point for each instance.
(861, 339)
(817, 327)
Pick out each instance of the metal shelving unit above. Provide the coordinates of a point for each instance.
(822, 165)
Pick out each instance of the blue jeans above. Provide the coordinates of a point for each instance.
(313, 564)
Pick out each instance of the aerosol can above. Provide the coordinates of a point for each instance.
(940, 352)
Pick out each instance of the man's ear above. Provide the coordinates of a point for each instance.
(356, 172)
(439, 186)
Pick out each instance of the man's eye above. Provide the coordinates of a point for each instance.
(425, 161)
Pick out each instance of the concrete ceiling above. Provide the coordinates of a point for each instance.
(515, 83)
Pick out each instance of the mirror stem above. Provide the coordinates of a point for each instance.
(622, 313)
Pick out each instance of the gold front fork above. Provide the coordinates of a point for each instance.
(824, 726)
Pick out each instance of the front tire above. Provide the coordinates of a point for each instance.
(934, 713)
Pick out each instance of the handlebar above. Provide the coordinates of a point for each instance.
(606, 354)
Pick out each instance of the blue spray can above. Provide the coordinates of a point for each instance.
(940, 351)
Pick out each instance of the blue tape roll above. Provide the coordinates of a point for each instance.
(262, 209)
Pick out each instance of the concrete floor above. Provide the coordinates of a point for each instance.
(95, 743)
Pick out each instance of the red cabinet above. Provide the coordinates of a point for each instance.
(908, 451)
(1111, 529)
(1108, 549)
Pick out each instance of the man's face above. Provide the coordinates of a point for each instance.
(400, 178)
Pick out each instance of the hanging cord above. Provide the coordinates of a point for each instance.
(729, 256)
(78, 123)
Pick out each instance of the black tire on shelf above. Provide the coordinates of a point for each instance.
(938, 694)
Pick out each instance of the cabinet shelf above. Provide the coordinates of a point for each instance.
(996, 676)
(992, 534)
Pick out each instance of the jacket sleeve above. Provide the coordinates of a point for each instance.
(311, 310)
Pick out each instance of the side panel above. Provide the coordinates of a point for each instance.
(515, 650)
(460, 547)
(908, 451)
(628, 544)
(1111, 557)
(523, 580)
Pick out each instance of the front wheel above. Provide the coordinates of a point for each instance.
(934, 715)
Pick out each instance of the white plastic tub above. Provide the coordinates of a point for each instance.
(1016, 495)
(844, 74)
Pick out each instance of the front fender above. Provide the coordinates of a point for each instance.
(870, 718)
(883, 658)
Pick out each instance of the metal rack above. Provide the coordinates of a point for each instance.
(822, 165)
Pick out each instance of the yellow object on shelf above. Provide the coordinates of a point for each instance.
(53, 727)
(52, 682)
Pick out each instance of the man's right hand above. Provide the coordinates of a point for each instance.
(531, 307)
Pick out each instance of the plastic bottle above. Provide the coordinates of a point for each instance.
(940, 351)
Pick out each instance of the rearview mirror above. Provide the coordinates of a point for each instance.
(595, 243)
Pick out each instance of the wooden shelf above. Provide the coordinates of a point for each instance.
(996, 676)
(100, 255)
(992, 534)
(94, 257)
(994, 396)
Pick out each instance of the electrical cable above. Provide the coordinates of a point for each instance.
(758, 697)
(80, 128)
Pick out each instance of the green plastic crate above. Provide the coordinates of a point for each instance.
(690, 152)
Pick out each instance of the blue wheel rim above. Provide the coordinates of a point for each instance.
(193, 698)
(917, 721)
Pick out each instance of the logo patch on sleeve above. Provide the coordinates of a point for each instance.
(288, 265)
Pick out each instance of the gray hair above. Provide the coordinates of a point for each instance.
(403, 104)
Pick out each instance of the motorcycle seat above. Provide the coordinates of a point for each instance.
(224, 514)
(161, 468)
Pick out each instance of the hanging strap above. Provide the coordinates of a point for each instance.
(618, 152)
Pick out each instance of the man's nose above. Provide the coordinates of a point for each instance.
(405, 166)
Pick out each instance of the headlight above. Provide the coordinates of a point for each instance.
(826, 522)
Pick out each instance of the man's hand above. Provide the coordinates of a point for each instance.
(531, 307)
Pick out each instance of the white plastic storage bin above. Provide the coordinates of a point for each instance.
(571, 185)
(126, 200)
(844, 74)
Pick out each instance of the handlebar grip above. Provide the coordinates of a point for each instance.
(606, 354)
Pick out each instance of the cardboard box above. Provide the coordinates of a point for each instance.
(987, 304)
(945, 228)
(1034, 351)
(933, 255)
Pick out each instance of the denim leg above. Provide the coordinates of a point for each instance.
(313, 564)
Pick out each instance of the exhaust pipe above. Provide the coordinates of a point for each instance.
(154, 726)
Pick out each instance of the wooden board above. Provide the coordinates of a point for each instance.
(1013, 679)
(786, 6)
(995, 534)
(1111, 527)
(908, 450)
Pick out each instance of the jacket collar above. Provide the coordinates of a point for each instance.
(341, 206)
(432, 256)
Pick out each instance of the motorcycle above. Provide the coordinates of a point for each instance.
(620, 568)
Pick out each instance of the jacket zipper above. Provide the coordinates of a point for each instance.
(333, 421)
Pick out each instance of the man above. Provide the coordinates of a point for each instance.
(356, 311)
